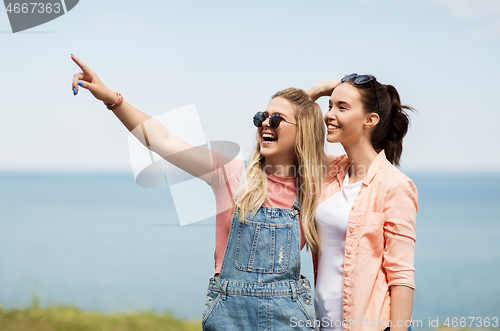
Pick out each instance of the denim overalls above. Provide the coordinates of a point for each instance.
(259, 286)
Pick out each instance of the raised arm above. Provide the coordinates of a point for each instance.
(150, 132)
(323, 88)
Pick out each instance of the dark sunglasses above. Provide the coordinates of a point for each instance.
(360, 80)
(274, 120)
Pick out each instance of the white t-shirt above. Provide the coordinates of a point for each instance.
(331, 222)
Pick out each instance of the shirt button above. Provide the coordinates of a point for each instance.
(352, 208)
(345, 296)
(348, 252)
(346, 273)
(350, 230)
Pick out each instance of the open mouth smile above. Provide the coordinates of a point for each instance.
(268, 138)
(331, 127)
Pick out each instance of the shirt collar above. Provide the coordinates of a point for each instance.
(374, 167)
(339, 170)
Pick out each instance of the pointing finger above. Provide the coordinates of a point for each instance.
(82, 65)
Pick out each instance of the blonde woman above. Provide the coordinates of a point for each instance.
(257, 283)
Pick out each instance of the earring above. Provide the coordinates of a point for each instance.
(364, 128)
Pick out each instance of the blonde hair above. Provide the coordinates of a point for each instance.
(311, 162)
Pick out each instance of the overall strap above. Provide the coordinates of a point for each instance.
(296, 205)
(296, 202)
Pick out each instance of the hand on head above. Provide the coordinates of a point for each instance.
(323, 88)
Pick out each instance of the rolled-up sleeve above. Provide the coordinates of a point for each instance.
(401, 206)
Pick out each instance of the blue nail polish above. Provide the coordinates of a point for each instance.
(80, 83)
(74, 90)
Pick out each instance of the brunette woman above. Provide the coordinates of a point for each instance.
(366, 215)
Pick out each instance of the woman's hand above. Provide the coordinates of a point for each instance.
(150, 132)
(89, 80)
(323, 88)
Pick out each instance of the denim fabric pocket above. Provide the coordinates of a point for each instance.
(306, 302)
(263, 247)
(213, 297)
(371, 240)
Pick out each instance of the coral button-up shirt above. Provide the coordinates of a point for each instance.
(380, 241)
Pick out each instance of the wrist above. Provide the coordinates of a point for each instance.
(115, 104)
(313, 92)
(111, 98)
(317, 92)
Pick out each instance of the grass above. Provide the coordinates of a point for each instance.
(67, 318)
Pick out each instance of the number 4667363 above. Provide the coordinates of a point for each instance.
(471, 322)
(34, 7)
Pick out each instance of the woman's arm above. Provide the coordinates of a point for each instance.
(323, 88)
(401, 307)
(150, 132)
(400, 206)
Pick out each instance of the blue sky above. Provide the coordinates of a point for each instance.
(229, 57)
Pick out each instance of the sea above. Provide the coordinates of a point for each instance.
(100, 242)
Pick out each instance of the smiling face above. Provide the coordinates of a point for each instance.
(278, 145)
(346, 119)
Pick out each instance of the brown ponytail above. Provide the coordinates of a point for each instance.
(389, 136)
(394, 120)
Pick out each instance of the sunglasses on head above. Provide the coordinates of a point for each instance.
(274, 120)
(360, 80)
